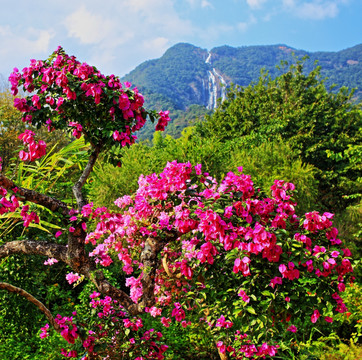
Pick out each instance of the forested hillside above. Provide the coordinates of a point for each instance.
(187, 75)
(188, 80)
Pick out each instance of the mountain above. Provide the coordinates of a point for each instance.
(189, 77)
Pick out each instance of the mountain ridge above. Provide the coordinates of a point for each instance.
(189, 76)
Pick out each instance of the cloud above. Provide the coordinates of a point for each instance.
(243, 26)
(35, 39)
(315, 10)
(87, 27)
(158, 17)
(205, 4)
(318, 11)
(255, 4)
(200, 3)
(157, 45)
(30, 42)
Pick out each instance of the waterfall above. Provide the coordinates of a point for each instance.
(222, 82)
(214, 89)
(208, 60)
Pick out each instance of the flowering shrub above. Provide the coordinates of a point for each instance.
(107, 112)
(268, 264)
(217, 257)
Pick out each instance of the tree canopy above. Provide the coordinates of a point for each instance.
(185, 252)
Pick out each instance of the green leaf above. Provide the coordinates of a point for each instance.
(251, 310)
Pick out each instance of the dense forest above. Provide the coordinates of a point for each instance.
(277, 125)
(181, 77)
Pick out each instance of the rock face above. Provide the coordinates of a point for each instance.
(187, 75)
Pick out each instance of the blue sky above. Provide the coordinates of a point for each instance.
(118, 35)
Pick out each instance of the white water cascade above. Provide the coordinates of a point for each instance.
(215, 91)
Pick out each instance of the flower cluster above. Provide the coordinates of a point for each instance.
(72, 278)
(244, 348)
(68, 328)
(35, 150)
(229, 224)
(109, 112)
(112, 324)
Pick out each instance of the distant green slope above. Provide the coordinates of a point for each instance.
(183, 75)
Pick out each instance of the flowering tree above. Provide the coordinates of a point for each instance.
(220, 257)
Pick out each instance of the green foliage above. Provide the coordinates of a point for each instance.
(108, 182)
(180, 77)
(312, 121)
(53, 175)
(277, 160)
(177, 75)
(265, 163)
(10, 128)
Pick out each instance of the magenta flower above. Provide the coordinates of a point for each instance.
(72, 278)
(292, 328)
(50, 261)
(315, 316)
(44, 331)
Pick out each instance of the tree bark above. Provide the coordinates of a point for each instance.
(23, 194)
(31, 247)
(77, 188)
(32, 299)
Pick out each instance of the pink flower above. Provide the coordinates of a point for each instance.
(341, 287)
(276, 280)
(243, 296)
(165, 321)
(178, 312)
(50, 261)
(153, 311)
(58, 233)
(222, 323)
(163, 120)
(94, 295)
(292, 328)
(72, 278)
(315, 316)
(44, 331)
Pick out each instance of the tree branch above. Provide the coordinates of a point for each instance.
(151, 262)
(80, 263)
(33, 196)
(77, 188)
(105, 288)
(31, 247)
(32, 299)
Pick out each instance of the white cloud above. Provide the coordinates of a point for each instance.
(29, 42)
(31, 39)
(200, 3)
(288, 3)
(315, 9)
(157, 45)
(157, 17)
(243, 26)
(87, 27)
(255, 4)
(205, 4)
